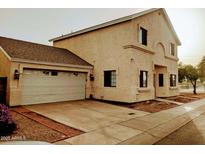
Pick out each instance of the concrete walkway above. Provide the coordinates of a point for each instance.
(110, 124)
(193, 133)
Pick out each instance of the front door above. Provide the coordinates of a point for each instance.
(160, 81)
(3, 83)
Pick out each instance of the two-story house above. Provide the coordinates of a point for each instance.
(134, 57)
(130, 59)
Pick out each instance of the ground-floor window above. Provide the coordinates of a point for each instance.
(161, 80)
(143, 78)
(110, 78)
(173, 80)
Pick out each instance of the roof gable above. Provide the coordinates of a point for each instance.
(39, 53)
(120, 20)
(171, 27)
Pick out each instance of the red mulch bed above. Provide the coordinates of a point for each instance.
(151, 106)
(197, 96)
(35, 127)
(181, 99)
(186, 97)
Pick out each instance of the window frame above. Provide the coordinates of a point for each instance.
(112, 78)
(143, 40)
(173, 80)
(143, 82)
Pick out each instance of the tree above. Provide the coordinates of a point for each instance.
(201, 68)
(190, 73)
(181, 72)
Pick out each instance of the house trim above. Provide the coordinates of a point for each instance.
(145, 89)
(140, 48)
(51, 64)
(5, 53)
(171, 58)
(117, 21)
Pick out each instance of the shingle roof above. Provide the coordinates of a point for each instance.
(40, 53)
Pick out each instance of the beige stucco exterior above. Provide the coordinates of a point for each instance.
(5, 65)
(117, 47)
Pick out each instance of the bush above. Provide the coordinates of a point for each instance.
(7, 125)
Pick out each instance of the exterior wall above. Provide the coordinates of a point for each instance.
(5, 71)
(15, 85)
(117, 48)
(104, 50)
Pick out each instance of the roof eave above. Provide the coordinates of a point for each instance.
(5, 53)
(171, 26)
(103, 25)
(51, 64)
(116, 21)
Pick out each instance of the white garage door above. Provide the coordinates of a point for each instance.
(40, 86)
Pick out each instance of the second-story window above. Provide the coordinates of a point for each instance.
(143, 36)
(172, 49)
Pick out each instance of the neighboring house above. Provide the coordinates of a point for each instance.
(134, 57)
(33, 73)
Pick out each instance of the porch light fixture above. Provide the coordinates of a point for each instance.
(16, 75)
(132, 60)
(75, 73)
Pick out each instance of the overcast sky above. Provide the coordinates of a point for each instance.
(40, 25)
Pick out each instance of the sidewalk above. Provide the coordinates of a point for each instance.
(147, 129)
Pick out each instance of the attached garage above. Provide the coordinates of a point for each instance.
(44, 86)
(39, 73)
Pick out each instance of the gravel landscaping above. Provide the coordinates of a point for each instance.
(34, 127)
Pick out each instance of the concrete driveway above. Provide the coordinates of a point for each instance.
(92, 117)
(85, 115)
(110, 124)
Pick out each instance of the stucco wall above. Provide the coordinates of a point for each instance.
(117, 48)
(5, 71)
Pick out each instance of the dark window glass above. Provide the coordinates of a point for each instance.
(54, 73)
(173, 80)
(143, 33)
(109, 78)
(172, 49)
(161, 80)
(143, 78)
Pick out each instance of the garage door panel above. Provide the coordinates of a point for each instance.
(36, 99)
(51, 91)
(38, 87)
(48, 80)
